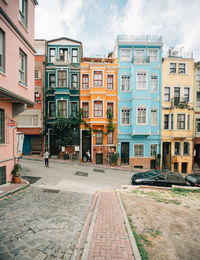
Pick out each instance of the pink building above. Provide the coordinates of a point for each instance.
(17, 65)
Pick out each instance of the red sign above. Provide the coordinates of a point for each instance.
(12, 124)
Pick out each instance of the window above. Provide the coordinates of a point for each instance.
(167, 94)
(141, 80)
(98, 108)
(74, 109)
(125, 116)
(188, 122)
(110, 83)
(23, 12)
(74, 55)
(198, 125)
(62, 108)
(85, 107)
(98, 78)
(63, 54)
(198, 74)
(154, 83)
(139, 56)
(52, 54)
(198, 99)
(22, 67)
(2, 126)
(85, 81)
(110, 137)
(62, 78)
(28, 121)
(172, 121)
(51, 109)
(153, 116)
(37, 74)
(153, 55)
(141, 115)
(180, 121)
(166, 121)
(74, 81)
(2, 51)
(3, 175)
(186, 148)
(99, 138)
(138, 150)
(153, 150)
(181, 68)
(177, 148)
(52, 81)
(110, 106)
(175, 167)
(186, 94)
(125, 54)
(172, 68)
(125, 83)
(177, 92)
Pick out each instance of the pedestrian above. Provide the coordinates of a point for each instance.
(46, 158)
(88, 156)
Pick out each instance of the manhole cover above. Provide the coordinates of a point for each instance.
(50, 190)
(31, 179)
(98, 170)
(85, 174)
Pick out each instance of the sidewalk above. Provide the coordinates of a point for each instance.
(11, 188)
(108, 238)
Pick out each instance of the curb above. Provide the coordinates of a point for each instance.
(88, 241)
(11, 192)
(130, 234)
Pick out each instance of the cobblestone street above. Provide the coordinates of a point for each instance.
(39, 224)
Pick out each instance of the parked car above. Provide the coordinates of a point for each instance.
(158, 178)
(193, 179)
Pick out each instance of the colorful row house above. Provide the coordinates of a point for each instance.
(62, 85)
(98, 94)
(139, 99)
(177, 112)
(16, 75)
(30, 122)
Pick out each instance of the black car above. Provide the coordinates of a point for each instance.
(158, 178)
(193, 179)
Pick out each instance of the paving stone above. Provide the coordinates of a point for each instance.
(5, 256)
(2, 249)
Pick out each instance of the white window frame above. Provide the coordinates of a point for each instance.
(156, 114)
(139, 81)
(108, 74)
(71, 107)
(141, 107)
(57, 85)
(23, 14)
(23, 68)
(75, 73)
(128, 76)
(125, 58)
(65, 59)
(2, 50)
(169, 94)
(139, 58)
(157, 83)
(98, 100)
(121, 116)
(85, 101)
(153, 58)
(31, 117)
(49, 80)
(182, 73)
(52, 48)
(86, 73)
(153, 155)
(49, 107)
(97, 70)
(170, 67)
(136, 156)
(110, 101)
(189, 99)
(181, 121)
(112, 137)
(67, 112)
(75, 56)
(188, 148)
(197, 74)
(171, 116)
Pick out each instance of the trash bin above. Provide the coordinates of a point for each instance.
(66, 156)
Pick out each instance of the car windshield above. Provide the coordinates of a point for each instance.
(191, 178)
(151, 174)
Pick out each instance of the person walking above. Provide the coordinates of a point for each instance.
(88, 156)
(46, 158)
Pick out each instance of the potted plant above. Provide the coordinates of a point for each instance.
(16, 173)
(113, 158)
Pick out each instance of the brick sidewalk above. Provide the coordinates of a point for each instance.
(110, 239)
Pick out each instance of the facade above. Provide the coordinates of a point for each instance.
(197, 113)
(30, 122)
(62, 85)
(16, 75)
(98, 94)
(177, 112)
(139, 99)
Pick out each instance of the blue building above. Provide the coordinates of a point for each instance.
(62, 83)
(139, 99)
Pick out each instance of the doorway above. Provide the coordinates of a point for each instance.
(86, 144)
(125, 153)
(166, 156)
(184, 167)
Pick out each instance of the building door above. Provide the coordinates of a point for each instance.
(99, 158)
(125, 153)
(184, 167)
(54, 147)
(86, 143)
(166, 156)
(27, 145)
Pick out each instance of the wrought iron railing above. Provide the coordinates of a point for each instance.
(139, 38)
(141, 59)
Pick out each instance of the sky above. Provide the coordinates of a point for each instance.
(96, 23)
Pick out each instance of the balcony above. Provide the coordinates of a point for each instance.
(141, 59)
(62, 59)
(180, 102)
(139, 38)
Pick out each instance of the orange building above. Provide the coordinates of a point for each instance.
(98, 93)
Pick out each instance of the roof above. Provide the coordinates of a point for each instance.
(64, 38)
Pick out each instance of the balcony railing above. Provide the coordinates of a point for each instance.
(63, 58)
(178, 101)
(141, 59)
(139, 38)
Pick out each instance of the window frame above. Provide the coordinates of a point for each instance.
(98, 102)
(188, 148)
(154, 109)
(139, 81)
(23, 67)
(50, 81)
(74, 56)
(72, 81)
(122, 118)
(61, 79)
(85, 83)
(57, 107)
(110, 138)
(139, 58)
(172, 70)
(179, 69)
(197, 122)
(88, 111)
(167, 94)
(155, 90)
(2, 56)
(2, 126)
(107, 107)
(151, 150)
(49, 108)
(186, 96)
(125, 84)
(141, 116)
(98, 72)
(138, 155)
(125, 58)
(31, 117)
(177, 152)
(181, 123)
(99, 138)
(109, 75)
(52, 58)
(23, 14)
(72, 111)
(156, 57)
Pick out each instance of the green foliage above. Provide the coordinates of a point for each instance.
(16, 171)
(181, 191)
(110, 126)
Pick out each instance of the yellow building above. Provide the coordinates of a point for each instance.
(98, 93)
(177, 112)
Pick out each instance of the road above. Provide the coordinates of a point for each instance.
(45, 221)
